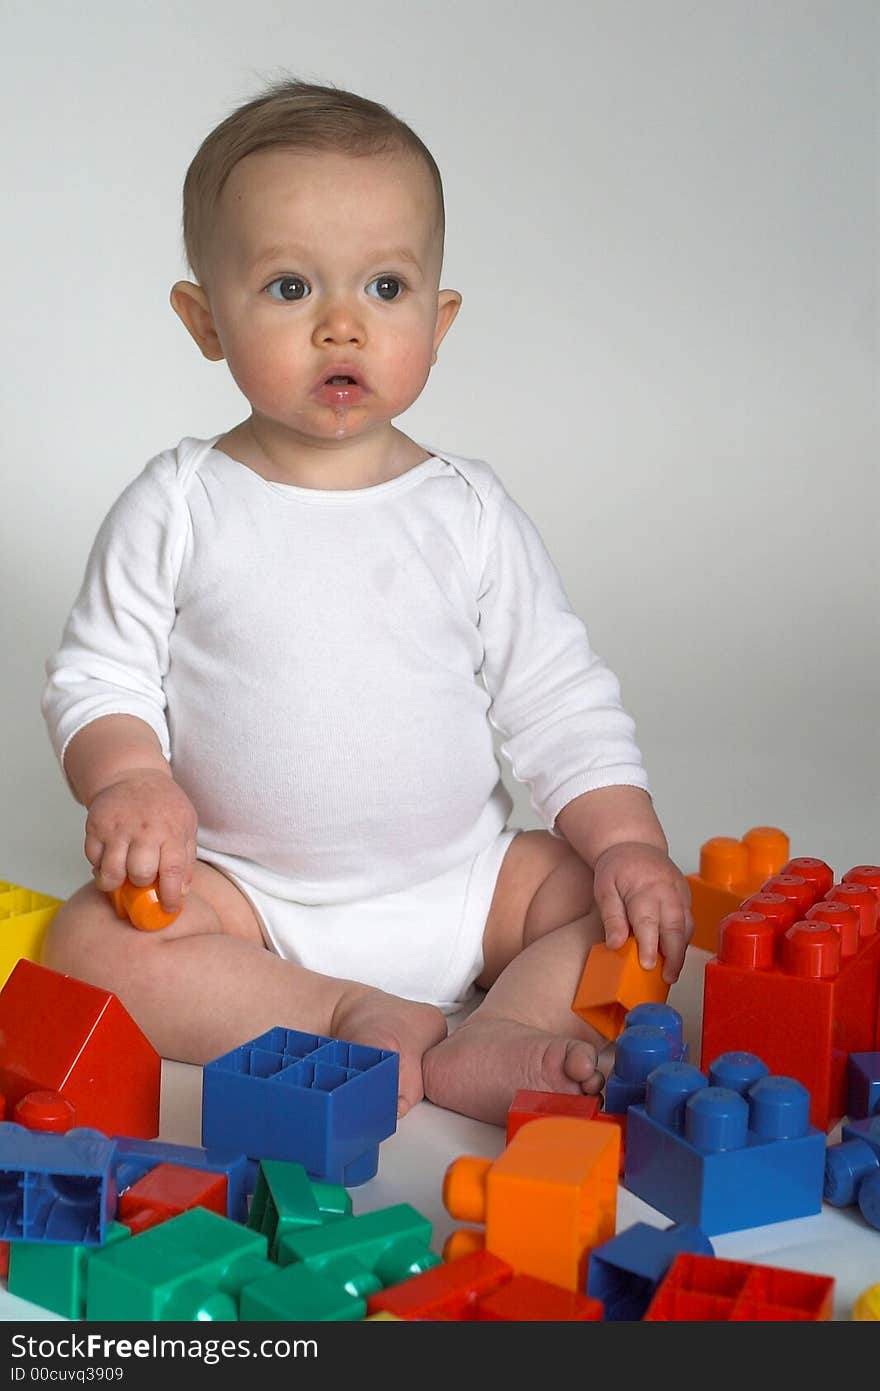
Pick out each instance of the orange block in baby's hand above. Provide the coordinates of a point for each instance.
(141, 905)
(612, 983)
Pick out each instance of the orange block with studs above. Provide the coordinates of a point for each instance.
(612, 983)
(141, 906)
(729, 871)
(546, 1201)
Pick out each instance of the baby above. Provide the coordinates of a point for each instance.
(276, 690)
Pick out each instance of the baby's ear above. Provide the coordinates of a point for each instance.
(190, 304)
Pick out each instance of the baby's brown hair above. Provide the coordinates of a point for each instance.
(294, 115)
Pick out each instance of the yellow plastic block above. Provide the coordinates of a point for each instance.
(612, 983)
(731, 870)
(384, 1316)
(547, 1200)
(24, 918)
(867, 1307)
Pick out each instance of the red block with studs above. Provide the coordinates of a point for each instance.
(59, 1034)
(801, 997)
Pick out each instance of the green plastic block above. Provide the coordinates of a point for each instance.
(393, 1243)
(297, 1292)
(191, 1267)
(285, 1199)
(54, 1276)
(333, 1200)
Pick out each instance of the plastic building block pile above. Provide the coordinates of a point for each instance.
(100, 1220)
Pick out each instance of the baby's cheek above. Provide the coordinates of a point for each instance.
(262, 376)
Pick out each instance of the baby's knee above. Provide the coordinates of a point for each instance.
(563, 897)
(83, 936)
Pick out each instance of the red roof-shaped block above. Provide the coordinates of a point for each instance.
(61, 1035)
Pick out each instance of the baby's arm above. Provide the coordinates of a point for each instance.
(140, 823)
(636, 885)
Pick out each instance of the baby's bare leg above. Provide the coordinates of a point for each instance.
(207, 983)
(541, 925)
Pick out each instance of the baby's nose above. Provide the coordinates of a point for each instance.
(340, 323)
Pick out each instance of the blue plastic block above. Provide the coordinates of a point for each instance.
(738, 1071)
(639, 1049)
(663, 1017)
(863, 1085)
(846, 1165)
(321, 1102)
(867, 1129)
(135, 1157)
(739, 1162)
(869, 1199)
(56, 1188)
(625, 1271)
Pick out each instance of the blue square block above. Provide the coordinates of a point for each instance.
(863, 1085)
(136, 1157)
(625, 1271)
(56, 1188)
(867, 1129)
(320, 1102)
(715, 1159)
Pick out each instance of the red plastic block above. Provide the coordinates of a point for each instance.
(47, 1111)
(803, 999)
(525, 1299)
(704, 1289)
(530, 1106)
(59, 1034)
(447, 1291)
(168, 1190)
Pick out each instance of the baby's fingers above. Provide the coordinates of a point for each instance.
(175, 874)
(676, 930)
(613, 914)
(110, 871)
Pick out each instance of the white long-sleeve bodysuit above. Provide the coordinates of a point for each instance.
(323, 668)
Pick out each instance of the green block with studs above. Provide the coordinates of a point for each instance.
(191, 1267)
(299, 1293)
(286, 1199)
(54, 1276)
(392, 1244)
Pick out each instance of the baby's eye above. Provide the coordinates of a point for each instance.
(388, 288)
(289, 287)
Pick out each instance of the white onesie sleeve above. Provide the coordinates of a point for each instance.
(554, 701)
(114, 648)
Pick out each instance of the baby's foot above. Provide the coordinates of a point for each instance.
(477, 1069)
(369, 1016)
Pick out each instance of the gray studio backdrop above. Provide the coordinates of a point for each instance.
(663, 218)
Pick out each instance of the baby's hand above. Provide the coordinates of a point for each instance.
(143, 827)
(637, 887)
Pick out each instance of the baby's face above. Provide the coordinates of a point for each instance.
(321, 265)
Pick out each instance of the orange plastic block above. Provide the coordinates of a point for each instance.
(612, 983)
(531, 1106)
(729, 871)
(142, 906)
(619, 1120)
(166, 1191)
(705, 1289)
(546, 1200)
(525, 1299)
(449, 1291)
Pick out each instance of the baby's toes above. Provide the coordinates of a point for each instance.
(580, 1064)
